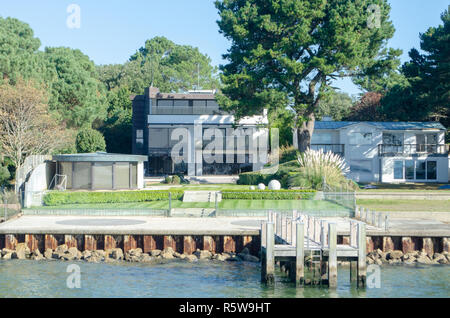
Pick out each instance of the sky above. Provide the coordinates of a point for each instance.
(111, 31)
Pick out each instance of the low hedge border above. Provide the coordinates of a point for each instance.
(63, 198)
(268, 195)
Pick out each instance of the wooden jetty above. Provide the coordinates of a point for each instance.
(305, 247)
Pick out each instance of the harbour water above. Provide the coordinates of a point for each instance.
(24, 278)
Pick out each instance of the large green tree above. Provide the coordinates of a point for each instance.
(336, 105)
(77, 96)
(425, 94)
(297, 47)
(164, 64)
(18, 52)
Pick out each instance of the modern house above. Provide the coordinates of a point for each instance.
(388, 152)
(157, 118)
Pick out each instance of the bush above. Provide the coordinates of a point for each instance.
(90, 140)
(168, 180)
(4, 175)
(268, 195)
(282, 174)
(64, 198)
(176, 180)
(317, 167)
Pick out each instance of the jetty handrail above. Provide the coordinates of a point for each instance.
(377, 219)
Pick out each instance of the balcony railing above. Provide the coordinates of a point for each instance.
(412, 149)
(338, 149)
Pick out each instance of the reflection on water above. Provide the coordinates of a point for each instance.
(203, 279)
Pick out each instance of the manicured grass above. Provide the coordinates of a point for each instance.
(413, 187)
(225, 204)
(406, 205)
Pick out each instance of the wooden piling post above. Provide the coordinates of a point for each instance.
(169, 241)
(189, 246)
(299, 253)
(32, 242)
(380, 220)
(353, 272)
(50, 242)
(361, 255)
(229, 245)
(332, 255)
(90, 243)
(269, 266)
(209, 243)
(130, 242)
(70, 241)
(149, 243)
(109, 242)
(10, 241)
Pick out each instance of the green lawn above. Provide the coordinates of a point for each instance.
(405, 205)
(407, 187)
(225, 205)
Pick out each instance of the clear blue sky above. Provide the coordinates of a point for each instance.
(113, 30)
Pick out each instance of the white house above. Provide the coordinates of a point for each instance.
(387, 151)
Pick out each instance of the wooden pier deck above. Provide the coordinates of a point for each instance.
(294, 241)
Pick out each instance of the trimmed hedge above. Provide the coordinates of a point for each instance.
(254, 178)
(63, 198)
(268, 195)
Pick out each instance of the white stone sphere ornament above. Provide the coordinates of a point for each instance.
(274, 185)
(252, 188)
(261, 186)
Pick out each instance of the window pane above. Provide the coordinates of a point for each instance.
(359, 138)
(212, 103)
(82, 175)
(409, 169)
(102, 175)
(398, 170)
(162, 102)
(65, 168)
(181, 103)
(431, 170)
(134, 175)
(199, 103)
(420, 170)
(122, 175)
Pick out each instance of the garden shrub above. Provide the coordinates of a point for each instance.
(268, 195)
(64, 198)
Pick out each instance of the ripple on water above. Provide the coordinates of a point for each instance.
(203, 279)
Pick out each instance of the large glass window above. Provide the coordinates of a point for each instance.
(65, 168)
(393, 139)
(102, 178)
(134, 175)
(431, 170)
(199, 103)
(82, 175)
(409, 169)
(122, 175)
(164, 102)
(420, 170)
(398, 170)
(181, 103)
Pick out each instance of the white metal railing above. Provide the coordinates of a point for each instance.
(377, 219)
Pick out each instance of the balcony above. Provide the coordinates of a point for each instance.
(338, 149)
(386, 150)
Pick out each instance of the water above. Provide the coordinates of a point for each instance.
(203, 279)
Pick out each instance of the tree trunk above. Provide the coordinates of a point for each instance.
(304, 133)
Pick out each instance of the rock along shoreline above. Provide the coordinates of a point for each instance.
(65, 253)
